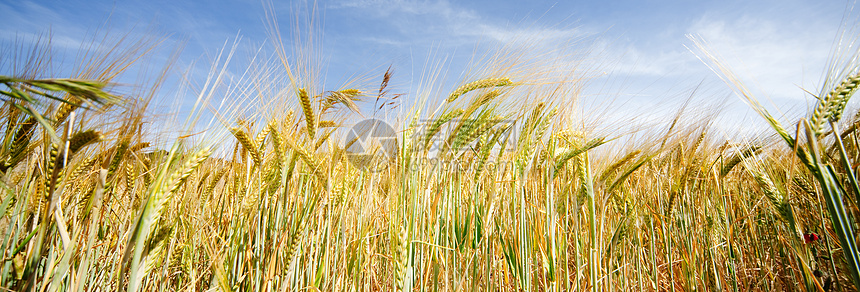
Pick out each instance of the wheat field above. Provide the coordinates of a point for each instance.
(494, 185)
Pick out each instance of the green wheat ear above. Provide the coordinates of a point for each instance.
(19, 143)
(776, 197)
(178, 177)
(563, 157)
(840, 95)
(434, 127)
(831, 106)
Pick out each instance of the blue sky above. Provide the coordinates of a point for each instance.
(640, 47)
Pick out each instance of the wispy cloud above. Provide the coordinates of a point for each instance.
(775, 48)
(20, 25)
(434, 21)
(775, 56)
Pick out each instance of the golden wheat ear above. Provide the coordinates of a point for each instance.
(82, 139)
(249, 145)
(474, 85)
(307, 109)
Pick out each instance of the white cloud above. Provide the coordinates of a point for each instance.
(20, 25)
(434, 21)
(775, 56)
(771, 55)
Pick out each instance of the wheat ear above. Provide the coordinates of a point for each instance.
(116, 159)
(261, 137)
(247, 143)
(737, 158)
(401, 257)
(573, 152)
(82, 167)
(65, 109)
(19, 143)
(307, 158)
(347, 97)
(434, 127)
(776, 197)
(277, 143)
(483, 83)
(831, 106)
(308, 111)
(82, 139)
(295, 241)
(178, 177)
(485, 150)
(328, 124)
(615, 166)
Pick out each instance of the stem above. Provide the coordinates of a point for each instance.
(846, 164)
